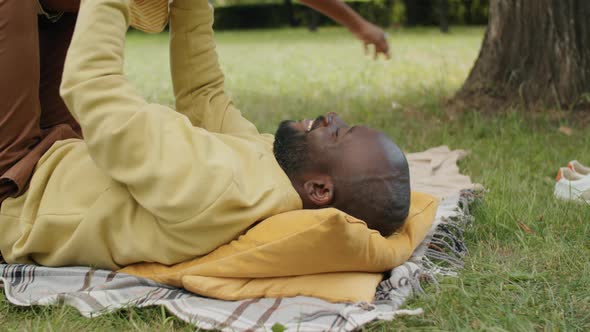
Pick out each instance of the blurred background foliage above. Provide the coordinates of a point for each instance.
(257, 14)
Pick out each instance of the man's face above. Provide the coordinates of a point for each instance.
(356, 169)
(327, 144)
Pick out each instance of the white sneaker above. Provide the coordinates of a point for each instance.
(572, 186)
(577, 167)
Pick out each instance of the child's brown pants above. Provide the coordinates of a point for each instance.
(32, 114)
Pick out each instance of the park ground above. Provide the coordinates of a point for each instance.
(528, 266)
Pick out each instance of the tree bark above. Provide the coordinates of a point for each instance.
(534, 53)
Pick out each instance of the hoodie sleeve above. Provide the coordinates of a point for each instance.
(196, 75)
(165, 162)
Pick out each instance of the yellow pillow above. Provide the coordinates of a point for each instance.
(319, 244)
(333, 287)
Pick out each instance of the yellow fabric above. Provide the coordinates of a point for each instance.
(300, 253)
(147, 183)
(148, 15)
(333, 287)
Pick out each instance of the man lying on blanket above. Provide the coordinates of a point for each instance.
(149, 184)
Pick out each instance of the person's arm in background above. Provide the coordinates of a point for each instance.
(364, 30)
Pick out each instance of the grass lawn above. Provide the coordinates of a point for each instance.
(514, 280)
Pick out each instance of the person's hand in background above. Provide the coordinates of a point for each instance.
(371, 34)
(364, 30)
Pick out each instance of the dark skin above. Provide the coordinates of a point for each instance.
(341, 153)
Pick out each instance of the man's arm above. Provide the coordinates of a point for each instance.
(196, 76)
(340, 12)
(164, 161)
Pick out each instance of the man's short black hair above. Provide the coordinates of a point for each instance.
(388, 199)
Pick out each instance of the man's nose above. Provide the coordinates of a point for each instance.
(335, 120)
(325, 121)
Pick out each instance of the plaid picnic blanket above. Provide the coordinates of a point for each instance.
(95, 292)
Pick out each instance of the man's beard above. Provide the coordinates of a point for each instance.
(290, 148)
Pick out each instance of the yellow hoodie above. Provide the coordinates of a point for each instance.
(148, 184)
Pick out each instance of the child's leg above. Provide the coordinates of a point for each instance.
(32, 115)
(19, 89)
(54, 40)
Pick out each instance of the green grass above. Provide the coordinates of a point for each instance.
(513, 280)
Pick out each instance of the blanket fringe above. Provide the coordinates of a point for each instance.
(442, 253)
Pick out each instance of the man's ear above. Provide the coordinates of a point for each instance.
(320, 190)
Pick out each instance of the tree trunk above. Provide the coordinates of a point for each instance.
(534, 53)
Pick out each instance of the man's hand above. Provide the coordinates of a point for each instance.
(371, 34)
